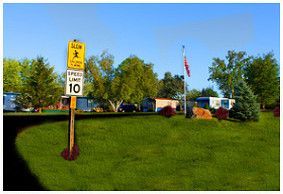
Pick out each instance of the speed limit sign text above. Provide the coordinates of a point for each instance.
(74, 82)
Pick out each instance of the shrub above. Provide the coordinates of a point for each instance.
(212, 110)
(222, 113)
(245, 107)
(276, 111)
(206, 107)
(167, 111)
(74, 154)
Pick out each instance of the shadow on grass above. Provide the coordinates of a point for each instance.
(16, 174)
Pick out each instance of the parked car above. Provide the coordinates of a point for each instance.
(128, 108)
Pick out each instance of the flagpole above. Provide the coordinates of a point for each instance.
(185, 88)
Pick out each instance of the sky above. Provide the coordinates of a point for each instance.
(153, 32)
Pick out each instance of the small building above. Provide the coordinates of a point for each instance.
(83, 103)
(9, 101)
(156, 104)
(215, 102)
(86, 104)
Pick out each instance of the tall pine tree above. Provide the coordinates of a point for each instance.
(40, 87)
(246, 106)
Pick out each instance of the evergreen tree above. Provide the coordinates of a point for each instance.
(40, 87)
(245, 107)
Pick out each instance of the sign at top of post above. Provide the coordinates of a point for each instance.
(76, 55)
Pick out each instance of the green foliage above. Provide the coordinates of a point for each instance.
(208, 92)
(171, 86)
(245, 107)
(100, 80)
(262, 76)
(12, 81)
(227, 74)
(40, 85)
(206, 107)
(153, 153)
(193, 94)
(137, 80)
(131, 81)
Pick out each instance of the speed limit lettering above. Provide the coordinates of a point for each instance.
(74, 82)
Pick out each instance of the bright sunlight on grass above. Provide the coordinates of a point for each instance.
(156, 153)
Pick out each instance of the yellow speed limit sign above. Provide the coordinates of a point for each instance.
(76, 55)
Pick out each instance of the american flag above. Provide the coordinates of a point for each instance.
(187, 66)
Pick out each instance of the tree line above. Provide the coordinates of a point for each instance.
(260, 73)
(134, 79)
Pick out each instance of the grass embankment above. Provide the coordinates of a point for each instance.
(156, 153)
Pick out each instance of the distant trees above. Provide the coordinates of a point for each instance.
(260, 73)
(208, 92)
(171, 86)
(131, 81)
(193, 94)
(262, 76)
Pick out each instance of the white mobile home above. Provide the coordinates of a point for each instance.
(215, 102)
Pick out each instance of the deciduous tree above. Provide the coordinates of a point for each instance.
(171, 86)
(226, 74)
(209, 92)
(12, 81)
(262, 76)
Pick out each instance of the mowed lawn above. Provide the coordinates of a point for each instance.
(156, 153)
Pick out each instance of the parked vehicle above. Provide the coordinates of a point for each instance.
(128, 108)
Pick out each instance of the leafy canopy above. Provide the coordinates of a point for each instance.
(262, 76)
(226, 74)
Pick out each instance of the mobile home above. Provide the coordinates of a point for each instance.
(9, 101)
(156, 104)
(215, 102)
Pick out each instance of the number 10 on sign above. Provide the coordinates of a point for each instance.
(74, 82)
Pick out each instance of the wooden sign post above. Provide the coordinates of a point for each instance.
(74, 86)
(72, 125)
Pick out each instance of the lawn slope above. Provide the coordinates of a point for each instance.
(156, 153)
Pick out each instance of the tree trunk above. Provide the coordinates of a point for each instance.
(263, 106)
(118, 105)
(115, 108)
(112, 105)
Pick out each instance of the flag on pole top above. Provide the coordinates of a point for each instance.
(187, 67)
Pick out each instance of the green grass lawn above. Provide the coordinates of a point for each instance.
(156, 153)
